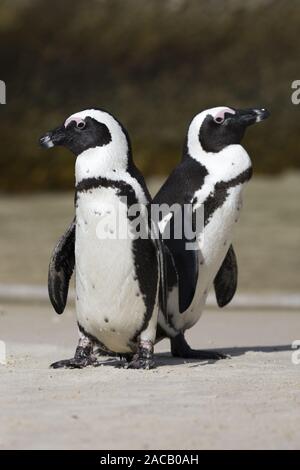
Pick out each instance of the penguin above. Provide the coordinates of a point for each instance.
(210, 178)
(117, 276)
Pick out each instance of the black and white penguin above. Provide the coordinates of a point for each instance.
(116, 276)
(211, 177)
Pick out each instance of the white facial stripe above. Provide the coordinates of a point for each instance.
(98, 161)
(103, 117)
(221, 114)
(72, 119)
(221, 166)
(100, 116)
(194, 146)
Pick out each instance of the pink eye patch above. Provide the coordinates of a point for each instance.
(73, 119)
(220, 116)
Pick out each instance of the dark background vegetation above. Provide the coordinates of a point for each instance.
(154, 64)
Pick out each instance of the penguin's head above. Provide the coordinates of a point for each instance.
(92, 133)
(217, 128)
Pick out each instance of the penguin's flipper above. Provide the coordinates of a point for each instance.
(180, 348)
(226, 279)
(186, 264)
(61, 268)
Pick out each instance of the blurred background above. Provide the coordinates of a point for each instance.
(154, 64)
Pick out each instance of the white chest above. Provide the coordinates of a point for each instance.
(109, 304)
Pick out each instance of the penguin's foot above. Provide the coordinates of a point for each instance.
(180, 348)
(73, 363)
(143, 358)
(83, 358)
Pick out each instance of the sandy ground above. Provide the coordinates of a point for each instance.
(250, 401)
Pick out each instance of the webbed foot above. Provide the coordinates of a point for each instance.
(143, 358)
(180, 348)
(83, 358)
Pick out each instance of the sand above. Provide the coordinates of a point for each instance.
(251, 401)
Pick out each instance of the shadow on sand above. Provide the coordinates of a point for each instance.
(165, 359)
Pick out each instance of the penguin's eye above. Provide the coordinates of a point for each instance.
(80, 124)
(219, 119)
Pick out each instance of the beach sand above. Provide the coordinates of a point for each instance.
(251, 401)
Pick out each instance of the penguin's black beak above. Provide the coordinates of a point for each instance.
(52, 138)
(247, 117)
(261, 114)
